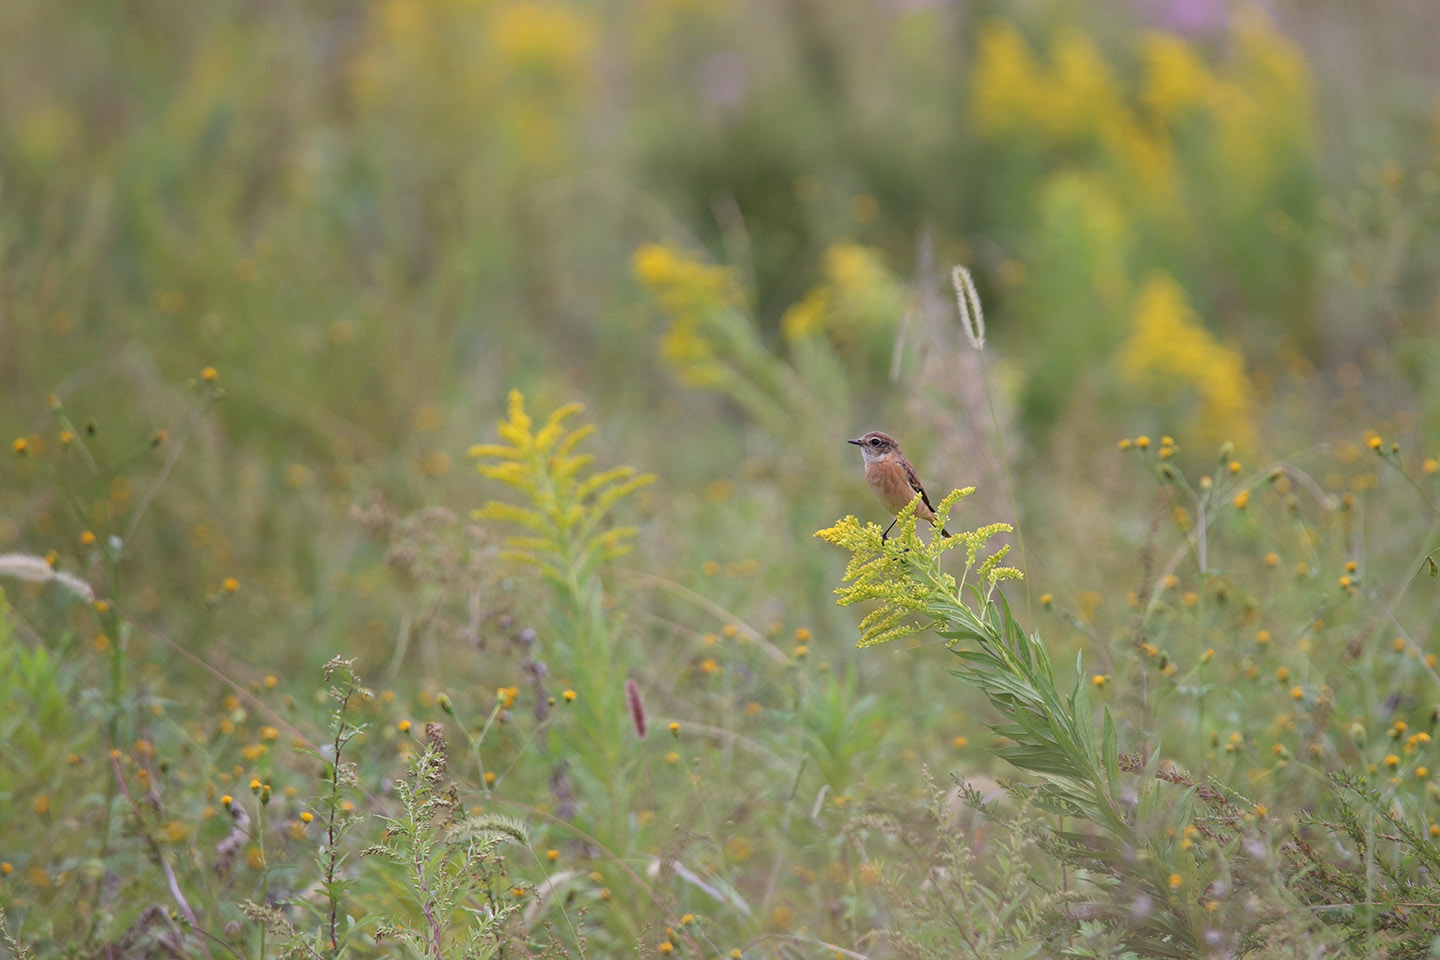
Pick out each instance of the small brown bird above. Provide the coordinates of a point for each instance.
(892, 479)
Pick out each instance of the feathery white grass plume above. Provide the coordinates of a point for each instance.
(28, 567)
(972, 315)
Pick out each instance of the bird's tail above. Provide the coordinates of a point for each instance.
(945, 533)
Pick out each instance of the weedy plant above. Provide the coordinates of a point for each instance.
(1131, 818)
(1170, 862)
(565, 537)
(977, 897)
(451, 862)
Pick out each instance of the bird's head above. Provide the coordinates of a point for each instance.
(876, 445)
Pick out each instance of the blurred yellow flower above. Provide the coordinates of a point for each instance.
(1176, 79)
(549, 40)
(857, 294)
(1170, 352)
(1082, 94)
(1263, 111)
(1008, 83)
(689, 293)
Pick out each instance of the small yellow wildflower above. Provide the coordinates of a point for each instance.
(1375, 442)
(675, 727)
(666, 946)
(1233, 466)
(1125, 443)
(229, 584)
(960, 743)
(1422, 772)
(800, 651)
(1392, 761)
(1296, 693)
(552, 855)
(1282, 674)
(1174, 881)
(1398, 644)
(1143, 442)
(1046, 600)
(1242, 500)
(307, 817)
(21, 446)
(209, 374)
(570, 696)
(1100, 679)
(672, 757)
(1272, 559)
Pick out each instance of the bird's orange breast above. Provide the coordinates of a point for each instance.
(890, 484)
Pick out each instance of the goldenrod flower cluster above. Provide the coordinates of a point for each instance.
(690, 293)
(567, 504)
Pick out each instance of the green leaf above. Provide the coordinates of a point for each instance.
(1109, 749)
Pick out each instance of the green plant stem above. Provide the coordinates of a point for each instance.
(264, 866)
(332, 858)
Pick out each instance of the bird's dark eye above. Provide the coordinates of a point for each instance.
(875, 442)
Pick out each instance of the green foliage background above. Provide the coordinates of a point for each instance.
(269, 272)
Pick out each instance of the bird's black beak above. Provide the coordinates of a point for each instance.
(856, 442)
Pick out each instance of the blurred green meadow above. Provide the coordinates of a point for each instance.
(419, 414)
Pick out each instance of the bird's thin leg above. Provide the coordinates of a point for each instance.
(886, 534)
